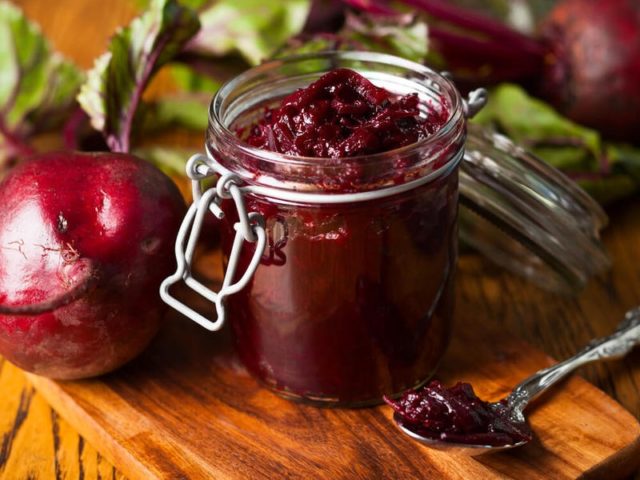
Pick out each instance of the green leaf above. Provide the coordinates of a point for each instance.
(403, 35)
(254, 29)
(189, 80)
(194, 4)
(608, 171)
(114, 86)
(171, 161)
(625, 158)
(189, 108)
(609, 189)
(190, 111)
(37, 85)
(535, 124)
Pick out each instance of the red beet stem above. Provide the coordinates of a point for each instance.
(480, 24)
(466, 50)
(16, 145)
(84, 284)
(469, 39)
(589, 176)
(70, 130)
(371, 6)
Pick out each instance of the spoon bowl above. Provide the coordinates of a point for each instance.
(457, 448)
(511, 409)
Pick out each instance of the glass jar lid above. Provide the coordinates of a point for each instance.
(527, 216)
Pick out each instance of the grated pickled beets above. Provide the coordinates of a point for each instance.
(343, 114)
(350, 300)
(457, 415)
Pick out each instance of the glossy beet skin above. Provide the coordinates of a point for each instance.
(86, 239)
(593, 66)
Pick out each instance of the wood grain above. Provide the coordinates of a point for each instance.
(187, 408)
(80, 28)
(36, 443)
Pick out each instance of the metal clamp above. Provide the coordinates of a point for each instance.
(476, 100)
(250, 228)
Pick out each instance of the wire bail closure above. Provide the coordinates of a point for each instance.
(476, 101)
(250, 228)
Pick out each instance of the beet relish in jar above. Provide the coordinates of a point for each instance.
(352, 161)
(341, 115)
(338, 178)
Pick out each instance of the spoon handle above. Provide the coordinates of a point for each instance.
(616, 345)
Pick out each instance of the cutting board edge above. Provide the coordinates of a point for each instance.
(622, 463)
(92, 431)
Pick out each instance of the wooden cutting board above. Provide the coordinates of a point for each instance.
(187, 409)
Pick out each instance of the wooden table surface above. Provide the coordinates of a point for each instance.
(36, 443)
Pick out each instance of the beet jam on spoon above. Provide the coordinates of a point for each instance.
(456, 419)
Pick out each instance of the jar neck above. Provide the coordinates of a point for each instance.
(329, 198)
(241, 102)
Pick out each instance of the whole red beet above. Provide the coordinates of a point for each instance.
(593, 68)
(85, 241)
(586, 60)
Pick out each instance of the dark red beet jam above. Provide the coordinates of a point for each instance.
(352, 300)
(457, 415)
(343, 115)
(349, 302)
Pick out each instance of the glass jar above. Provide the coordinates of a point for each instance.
(339, 284)
(353, 298)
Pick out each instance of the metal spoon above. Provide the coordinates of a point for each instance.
(616, 345)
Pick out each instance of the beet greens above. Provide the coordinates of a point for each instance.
(38, 85)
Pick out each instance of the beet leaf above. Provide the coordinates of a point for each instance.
(253, 29)
(608, 171)
(37, 85)
(404, 35)
(114, 87)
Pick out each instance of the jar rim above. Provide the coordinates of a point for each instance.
(456, 113)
